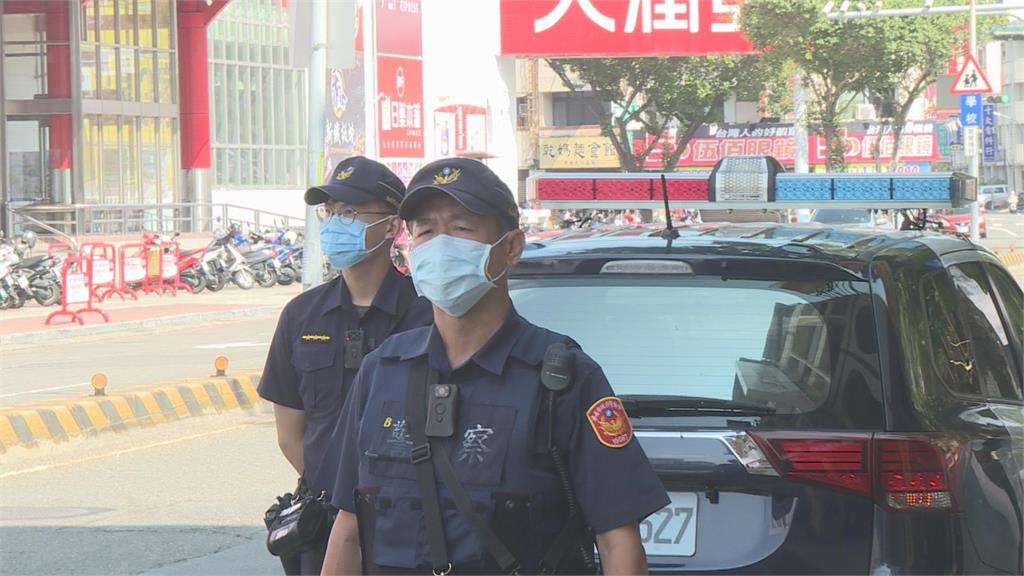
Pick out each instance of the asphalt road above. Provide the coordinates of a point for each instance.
(181, 498)
(47, 371)
(1004, 230)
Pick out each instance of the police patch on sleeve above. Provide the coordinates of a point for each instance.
(610, 422)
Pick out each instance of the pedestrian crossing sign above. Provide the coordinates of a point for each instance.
(971, 79)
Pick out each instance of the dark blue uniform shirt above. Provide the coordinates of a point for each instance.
(499, 447)
(305, 367)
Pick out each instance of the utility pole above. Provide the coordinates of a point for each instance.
(312, 257)
(973, 158)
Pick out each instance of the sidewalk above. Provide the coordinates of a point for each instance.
(27, 325)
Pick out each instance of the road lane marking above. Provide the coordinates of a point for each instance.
(230, 345)
(45, 467)
(1005, 230)
(43, 390)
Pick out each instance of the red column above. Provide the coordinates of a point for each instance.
(194, 80)
(193, 90)
(58, 82)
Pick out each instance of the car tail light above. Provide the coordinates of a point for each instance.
(899, 472)
(912, 473)
(840, 461)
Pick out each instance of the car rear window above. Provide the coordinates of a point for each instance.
(798, 346)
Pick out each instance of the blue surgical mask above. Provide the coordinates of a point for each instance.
(452, 272)
(344, 243)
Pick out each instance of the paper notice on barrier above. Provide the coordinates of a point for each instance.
(102, 272)
(76, 288)
(170, 266)
(134, 269)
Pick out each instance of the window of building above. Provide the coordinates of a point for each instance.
(147, 76)
(130, 158)
(577, 109)
(148, 160)
(168, 166)
(128, 89)
(522, 113)
(258, 102)
(126, 21)
(110, 160)
(89, 74)
(108, 73)
(91, 159)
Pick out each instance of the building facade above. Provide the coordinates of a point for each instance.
(94, 110)
(258, 102)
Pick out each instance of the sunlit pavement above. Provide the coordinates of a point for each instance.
(181, 498)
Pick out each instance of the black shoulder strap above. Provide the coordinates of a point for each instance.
(506, 561)
(427, 455)
(416, 417)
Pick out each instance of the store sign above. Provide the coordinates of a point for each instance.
(399, 27)
(575, 152)
(460, 130)
(400, 107)
(345, 115)
(988, 133)
(712, 142)
(621, 27)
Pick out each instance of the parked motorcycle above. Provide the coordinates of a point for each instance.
(38, 279)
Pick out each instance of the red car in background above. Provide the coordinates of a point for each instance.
(958, 221)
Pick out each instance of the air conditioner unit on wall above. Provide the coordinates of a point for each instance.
(865, 112)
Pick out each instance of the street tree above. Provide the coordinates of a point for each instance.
(911, 53)
(833, 54)
(653, 95)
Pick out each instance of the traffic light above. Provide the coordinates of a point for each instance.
(998, 99)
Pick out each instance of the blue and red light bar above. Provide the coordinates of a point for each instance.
(753, 182)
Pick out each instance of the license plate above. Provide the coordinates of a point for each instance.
(672, 531)
(23, 282)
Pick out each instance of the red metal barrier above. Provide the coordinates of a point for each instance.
(77, 283)
(101, 263)
(132, 265)
(170, 253)
(154, 280)
(64, 249)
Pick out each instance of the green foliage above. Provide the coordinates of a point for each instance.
(659, 93)
(911, 52)
(834, 55)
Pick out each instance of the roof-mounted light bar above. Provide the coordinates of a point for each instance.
(753, 183)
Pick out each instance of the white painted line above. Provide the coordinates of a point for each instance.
(1004, 230)
(43, 390)
(230, 345)
(122, 452)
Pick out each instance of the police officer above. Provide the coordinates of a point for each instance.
(324, 333)
(483, 362)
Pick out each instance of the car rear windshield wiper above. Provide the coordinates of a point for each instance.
(640, 405)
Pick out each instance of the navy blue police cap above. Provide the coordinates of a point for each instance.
(468, 181)
(359, 180)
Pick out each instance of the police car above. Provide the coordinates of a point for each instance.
(815, 399)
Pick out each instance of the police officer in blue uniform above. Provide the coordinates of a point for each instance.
(324, 333)
(482, 443)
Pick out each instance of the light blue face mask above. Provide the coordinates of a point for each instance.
(344, 244)
(452, 272)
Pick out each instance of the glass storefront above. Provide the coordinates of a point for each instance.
(257, 102)
(128, 56)
(35, 154)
